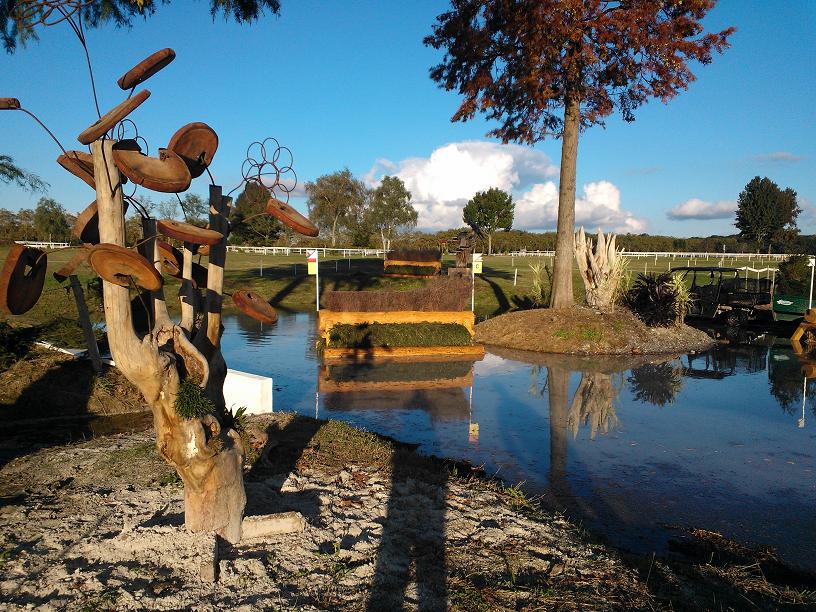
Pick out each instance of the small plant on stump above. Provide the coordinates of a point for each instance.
(658, 300)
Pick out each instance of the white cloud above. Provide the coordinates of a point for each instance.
(442, 184)
(702, 210)
(598, 206)
(778, 157)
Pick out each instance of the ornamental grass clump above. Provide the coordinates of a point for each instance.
(192, 402)
(658, 300)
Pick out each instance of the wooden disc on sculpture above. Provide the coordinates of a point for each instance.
(291, 217)
(79, 164)
(9, 104)
(166, 173)
(112, 117)
(172, 260)
(196, 143)
(146, 68)
(86, 226)
(188, 233)
(22, 278)
(250, 303)
(118, 265)
(204, 250)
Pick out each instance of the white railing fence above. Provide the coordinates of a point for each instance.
(678, 255)
(44, 245)
(324, 251)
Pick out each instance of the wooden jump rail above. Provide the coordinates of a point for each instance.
(427, 353)
(436, 265)
(326, 384)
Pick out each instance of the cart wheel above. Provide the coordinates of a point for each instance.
(809, 338)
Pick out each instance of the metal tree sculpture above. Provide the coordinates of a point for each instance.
(178, 367)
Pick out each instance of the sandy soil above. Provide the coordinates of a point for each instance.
(585, 331)
(99, 526)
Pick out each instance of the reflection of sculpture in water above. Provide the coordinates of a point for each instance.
(656, 384)
(593, 404)
(785, 370)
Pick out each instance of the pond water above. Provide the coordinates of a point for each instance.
(632, 449)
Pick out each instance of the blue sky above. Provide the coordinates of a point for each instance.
(346, 85)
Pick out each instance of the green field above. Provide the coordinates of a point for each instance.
(284, 282)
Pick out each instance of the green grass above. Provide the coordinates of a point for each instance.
(283, 281)
(399, 334)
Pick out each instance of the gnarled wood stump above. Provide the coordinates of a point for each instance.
(601, 268)
(205, 451)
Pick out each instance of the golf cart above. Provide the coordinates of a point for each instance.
(722, 293)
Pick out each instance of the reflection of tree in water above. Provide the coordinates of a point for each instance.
(656, 384)
(593, 404)
(785, 381)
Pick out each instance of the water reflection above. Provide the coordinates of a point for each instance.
(656, 383)
(734, 454)
(441, 389)
(592, 405)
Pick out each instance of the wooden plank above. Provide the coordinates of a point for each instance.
(437, 358)
(327, 385)
(401, 352)
(329, 318)
(421, 264)
(85, 323)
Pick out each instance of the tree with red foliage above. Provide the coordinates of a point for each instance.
(519, 62)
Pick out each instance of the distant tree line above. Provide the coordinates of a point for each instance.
(350, 214)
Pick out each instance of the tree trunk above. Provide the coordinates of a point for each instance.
(207, 455)
(334, 228)
(564, 242)
(490, 243)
